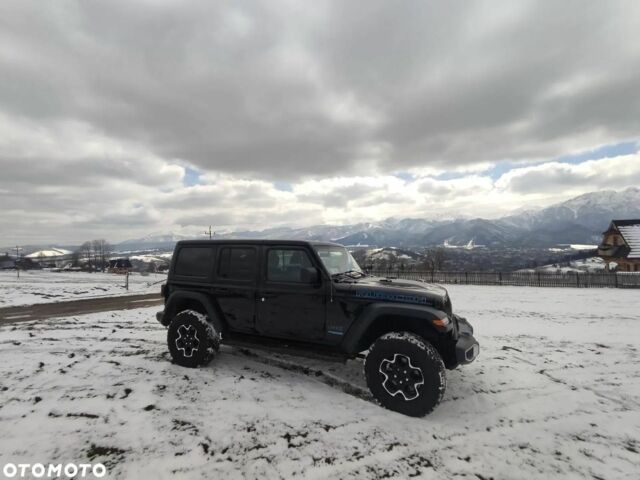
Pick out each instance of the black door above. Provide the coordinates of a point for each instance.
(291, 303)
(235, 286)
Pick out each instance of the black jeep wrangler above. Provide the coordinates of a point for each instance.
(312, 297)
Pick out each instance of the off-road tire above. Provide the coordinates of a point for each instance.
(193, 340)
(396, 365)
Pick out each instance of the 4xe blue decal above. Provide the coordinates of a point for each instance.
(392, 297)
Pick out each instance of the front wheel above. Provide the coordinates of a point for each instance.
(192, 339)
(405, 373)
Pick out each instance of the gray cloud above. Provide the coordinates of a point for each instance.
(205, 219)
(338, 196)
(239, 87)
(103, 103)
(617, 172)
(134, 217)
(561, 176)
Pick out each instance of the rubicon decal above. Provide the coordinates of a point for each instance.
(392, 297)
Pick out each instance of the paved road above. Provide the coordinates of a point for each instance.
(77, 307)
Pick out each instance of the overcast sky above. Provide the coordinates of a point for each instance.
(122, 118)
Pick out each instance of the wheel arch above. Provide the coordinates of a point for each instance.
(179, 301)
(378, 319)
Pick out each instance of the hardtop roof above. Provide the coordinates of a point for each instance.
(251, 241)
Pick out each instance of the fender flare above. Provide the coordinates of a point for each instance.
(171, 307)
(374, 311)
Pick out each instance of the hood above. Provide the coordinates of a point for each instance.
(400, 291)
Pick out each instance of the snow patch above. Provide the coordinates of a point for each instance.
(44, 286)
(555, 395)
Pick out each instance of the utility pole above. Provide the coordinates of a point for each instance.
(209, 232)
(17, 259)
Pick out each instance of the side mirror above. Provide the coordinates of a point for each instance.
(309, 275)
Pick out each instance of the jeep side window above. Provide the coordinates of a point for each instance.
(237, 263)
(285, 265)
(194, 261)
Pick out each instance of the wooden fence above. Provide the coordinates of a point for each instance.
(527, 279)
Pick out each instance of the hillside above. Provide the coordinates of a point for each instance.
(578, 220)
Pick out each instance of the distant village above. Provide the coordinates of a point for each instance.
(93, 256)
(619, 250)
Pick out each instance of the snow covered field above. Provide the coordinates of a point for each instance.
(555, 393)
(43, 286)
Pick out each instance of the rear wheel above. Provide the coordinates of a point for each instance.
(405, 373)
(192, 339)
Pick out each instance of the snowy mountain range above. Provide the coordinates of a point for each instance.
(579, 220)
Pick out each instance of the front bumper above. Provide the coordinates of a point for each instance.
(467, 347)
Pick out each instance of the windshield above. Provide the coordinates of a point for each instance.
(337, 260)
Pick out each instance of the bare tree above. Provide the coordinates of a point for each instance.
(101, 251)
(434, 259)
(76, 257)
(86, 255)
(439, 258)
(426, 264)
(95, 252)
(381, 264)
